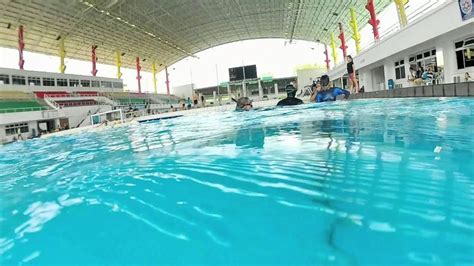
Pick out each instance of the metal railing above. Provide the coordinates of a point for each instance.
(22, 109)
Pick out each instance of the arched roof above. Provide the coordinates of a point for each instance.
(166, 31)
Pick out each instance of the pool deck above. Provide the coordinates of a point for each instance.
(464, 89)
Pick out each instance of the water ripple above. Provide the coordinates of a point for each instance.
(300, 185)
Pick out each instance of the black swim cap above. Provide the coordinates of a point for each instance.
(290, 90)
(242, 102)
(324, 80)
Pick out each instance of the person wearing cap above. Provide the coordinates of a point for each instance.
(316, 88)
(243, 104)
(327, 91)
(290, 99)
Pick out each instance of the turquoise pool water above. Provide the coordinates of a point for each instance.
(367, 182)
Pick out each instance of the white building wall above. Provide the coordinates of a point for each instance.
(31, 125)
(438, 30)
(40, 74)
(305, 77)
(184, 91)
(77, 114)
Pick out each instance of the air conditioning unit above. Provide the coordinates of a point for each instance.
(456, 79)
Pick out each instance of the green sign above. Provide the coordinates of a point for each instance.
(266, 79)
(224, 84)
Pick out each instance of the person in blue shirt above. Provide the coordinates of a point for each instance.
(324, 91)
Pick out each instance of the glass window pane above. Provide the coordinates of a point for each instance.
(85, 83)
(4, 79)
(18, 80)
(118, 85)
(48, 82)
(73, 83)
(62, 82)
(95, 84)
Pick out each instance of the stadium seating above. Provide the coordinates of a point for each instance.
(16, 101)
(42, 94)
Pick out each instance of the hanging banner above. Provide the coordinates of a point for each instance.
(467, 10)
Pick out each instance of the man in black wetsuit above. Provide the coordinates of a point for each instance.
(290, 99)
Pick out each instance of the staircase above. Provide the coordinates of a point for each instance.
(50, 102)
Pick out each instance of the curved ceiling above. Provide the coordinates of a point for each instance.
(166, 31)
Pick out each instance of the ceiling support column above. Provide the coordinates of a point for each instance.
(21, 46)
(138, 74)
(343, 41)
(153, 73)
(355, 30)
(167, 81)
(327, 57)
(402, 16)
(373, 19)
(118, 63)
(94, 60)
(62, 56)
(333, 48)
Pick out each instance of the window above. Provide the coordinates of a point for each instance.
(400, 69)
(4, 79)
(85, 83)
(106, 84)
(18, 80)
(48, 82)
(465, 53)
(62, 82)
(14, 129)
(73, 83)
(95, 84)
(424, 59)
(118, 85)
(34, 81)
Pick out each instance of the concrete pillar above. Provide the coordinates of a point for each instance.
(260, 89)
(276, 90)
(229, 93)
(244, 90)
(214, 95)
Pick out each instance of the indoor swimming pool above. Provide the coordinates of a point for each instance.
(365, 182)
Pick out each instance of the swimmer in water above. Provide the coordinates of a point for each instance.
(290, 99)
(326, 92)
(243, 104)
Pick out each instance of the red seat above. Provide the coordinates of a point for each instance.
(41, 94)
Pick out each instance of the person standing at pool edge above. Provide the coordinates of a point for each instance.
(352, 76)
(195, 100)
